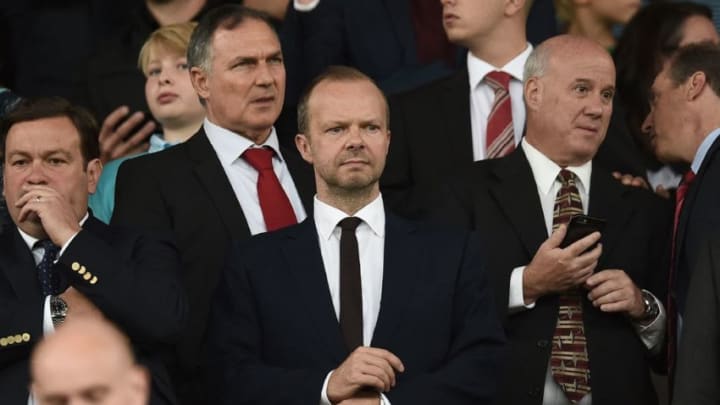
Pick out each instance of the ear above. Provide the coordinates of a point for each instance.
(695, 85)
(513, 6)
(199, 79)
(139, 382)
(532, 92)
(389, 137)
(94, 170)
(303, 145)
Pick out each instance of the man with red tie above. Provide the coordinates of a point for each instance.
(684, 127)
(230, 180)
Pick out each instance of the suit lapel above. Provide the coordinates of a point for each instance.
(302, 253)
(607, 201)
(455, 103)
(18, 265)
(398, 282)
(211, 175)
(400, 13)
(516, 194)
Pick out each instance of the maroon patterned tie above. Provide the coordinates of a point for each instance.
(274, 203)
(500, 136)
(569, 361)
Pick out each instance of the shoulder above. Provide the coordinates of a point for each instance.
(420, 95)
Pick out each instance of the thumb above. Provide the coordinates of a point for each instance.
(556, 238)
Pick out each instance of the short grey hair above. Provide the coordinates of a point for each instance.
(199, 53)
(536, 64)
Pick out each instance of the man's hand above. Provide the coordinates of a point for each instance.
(553, 269)
(363, 398)
(630, 180)
(78, 305)
(366, 367)
(614, 291)
(56, 214)
(115, 138)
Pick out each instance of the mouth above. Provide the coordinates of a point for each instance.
(264, 100)
(354, 162)
(449, 19)
(590, 129)
(166, 97)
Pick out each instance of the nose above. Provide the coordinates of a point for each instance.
(647, 125)
(264, 76)
(596, 107)
(36, 175)
(355, 140)
(165, 77)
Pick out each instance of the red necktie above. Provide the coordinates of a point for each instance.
(274, 203)
(680, 194)
(569, 361)
(500, 136)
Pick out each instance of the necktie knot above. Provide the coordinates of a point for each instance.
(259, 158)
(498, 80)
(566, 177)
(349, 224)
(50, 249)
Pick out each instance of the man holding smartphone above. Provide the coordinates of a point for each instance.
(581, 319)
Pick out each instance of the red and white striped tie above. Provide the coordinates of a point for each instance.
(500, 136)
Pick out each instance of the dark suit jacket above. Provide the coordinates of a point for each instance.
(499, 198)
(432, 141)
(274, 334)
(184, 190)
(699, 219)
(698, 361)
(137, 287)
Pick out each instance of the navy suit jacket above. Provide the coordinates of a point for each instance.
(136, 286)
(699, 220)
(274, 334)
(499, 199)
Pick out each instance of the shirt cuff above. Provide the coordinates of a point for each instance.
(323, 394)
(48, 326)
(516, 297)
(384, 400)
(308, 6)
(652, 333)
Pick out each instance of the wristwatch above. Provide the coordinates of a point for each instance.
(651, 308)
(58, 310)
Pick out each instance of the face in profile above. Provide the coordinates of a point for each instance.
(571, 103)
(664, 123)
(245, 87)
(168, 89)
(347, 138)
(46, 153)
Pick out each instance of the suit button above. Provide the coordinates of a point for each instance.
(75, 266)
(3, 342)
(82, 270)
(26, 337)
(87, 276)
(94, 280)
(542, 343)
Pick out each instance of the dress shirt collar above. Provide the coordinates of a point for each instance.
(478, 68)
(703, 150)
(229, 146)
(546, 171)
(158, 143)
(30, 241)
(327, 217)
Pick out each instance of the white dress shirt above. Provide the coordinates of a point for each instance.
(482, 97)
(229, 147)
(371, 251)
(545, 172)
(37, 253)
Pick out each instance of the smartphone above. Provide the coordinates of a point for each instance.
(581, 226)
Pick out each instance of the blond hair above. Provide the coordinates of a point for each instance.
(174, 37)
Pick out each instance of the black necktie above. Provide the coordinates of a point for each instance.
(49, 279)
(351, 318)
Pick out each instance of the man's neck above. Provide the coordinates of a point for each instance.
(175, 11)
(178, 134)
(348, 201)
(499, 48)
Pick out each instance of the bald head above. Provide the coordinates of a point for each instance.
(87, 358)
(569, 88)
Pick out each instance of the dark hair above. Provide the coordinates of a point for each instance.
(332, 74)
(33, 109)
(650, 38)
(199, 53)
(693, 58)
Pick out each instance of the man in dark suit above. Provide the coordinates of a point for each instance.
(354, 305)
(58, 262)
(208, 190)
(684, 127)
(443, 127)
(698, 361)
(580, 327)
